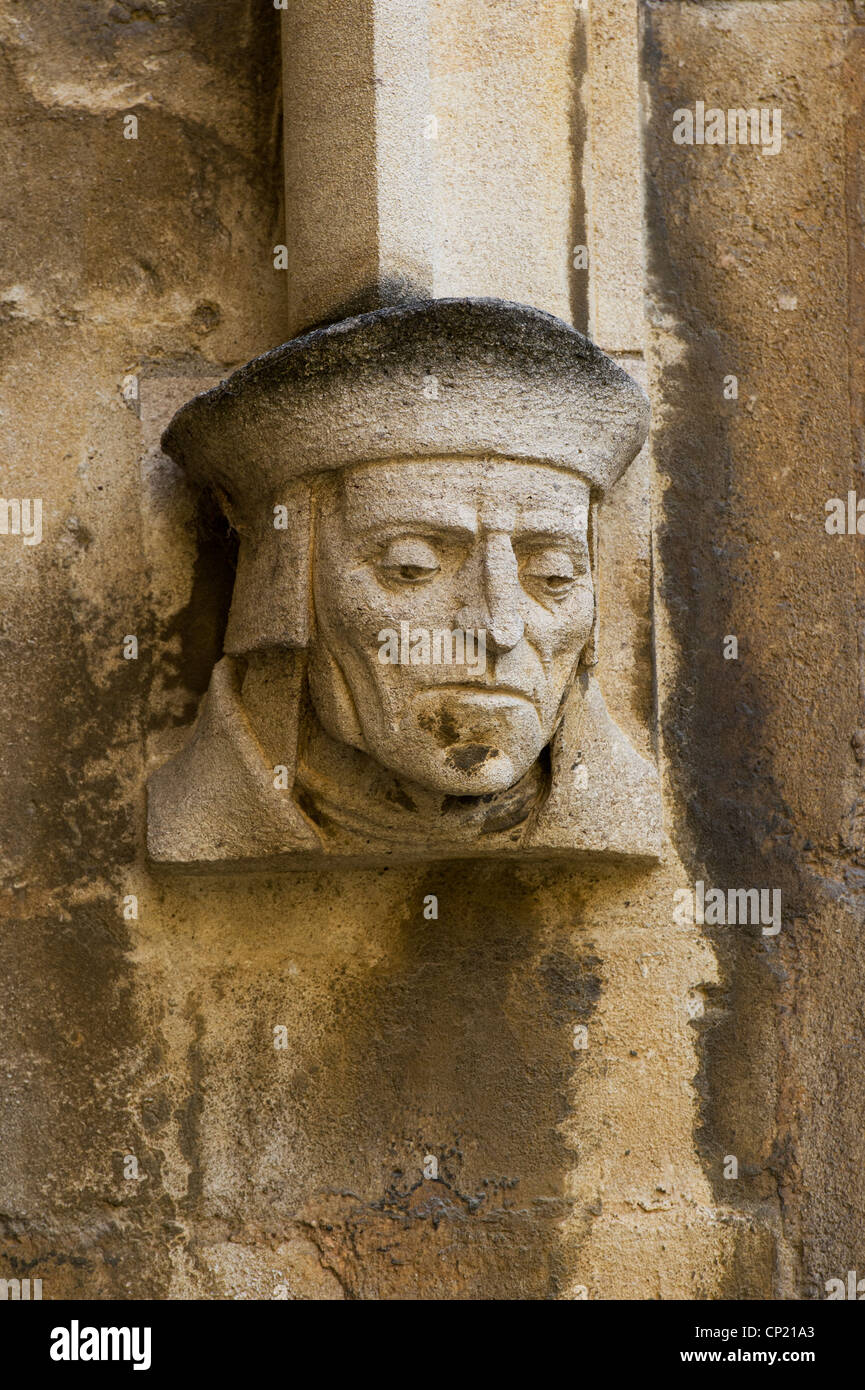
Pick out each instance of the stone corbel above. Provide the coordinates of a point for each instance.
(433, 468)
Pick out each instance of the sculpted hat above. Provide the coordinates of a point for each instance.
(446, 377)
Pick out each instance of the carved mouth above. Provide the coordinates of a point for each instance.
(467, 716)
(489, 702)
(486, 691)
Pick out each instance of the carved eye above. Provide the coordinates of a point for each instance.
(409, 560)
(552, 571)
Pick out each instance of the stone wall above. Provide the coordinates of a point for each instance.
(277, 1055)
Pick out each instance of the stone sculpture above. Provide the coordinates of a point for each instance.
(408, 668)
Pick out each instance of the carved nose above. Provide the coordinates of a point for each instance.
(503, 633)
(499, 613)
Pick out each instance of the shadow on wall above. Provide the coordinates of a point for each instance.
(336, 1038)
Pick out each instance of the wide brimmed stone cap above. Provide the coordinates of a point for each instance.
(444, 377)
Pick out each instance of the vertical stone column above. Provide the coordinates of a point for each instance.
(358, 178)
(509, 200)
(612, 174)
(433, 148)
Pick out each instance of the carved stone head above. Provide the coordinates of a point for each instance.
(452, 601)
(414, 609)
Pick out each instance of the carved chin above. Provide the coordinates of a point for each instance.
(471, 769)
(465, 745)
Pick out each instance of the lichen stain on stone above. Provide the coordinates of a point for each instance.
(743, 737)
(410, 1057)
(442, 725)
(470, 757)
(200, 625)
(189, 1115)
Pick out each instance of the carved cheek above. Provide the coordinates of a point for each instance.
(581, 615)
(380, 605)
(348, 599)
(564, 631)
(431, 603)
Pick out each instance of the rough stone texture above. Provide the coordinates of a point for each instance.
(157, 249)
(357, 137)
(613, 176)
(750, 275)
(298, 1171)
(382, 760)
(509, 205)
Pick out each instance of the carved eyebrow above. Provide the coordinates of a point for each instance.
(572, 541)
(545, 536)
(553, 520)
(413, 525)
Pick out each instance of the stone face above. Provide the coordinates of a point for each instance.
(413, 492)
